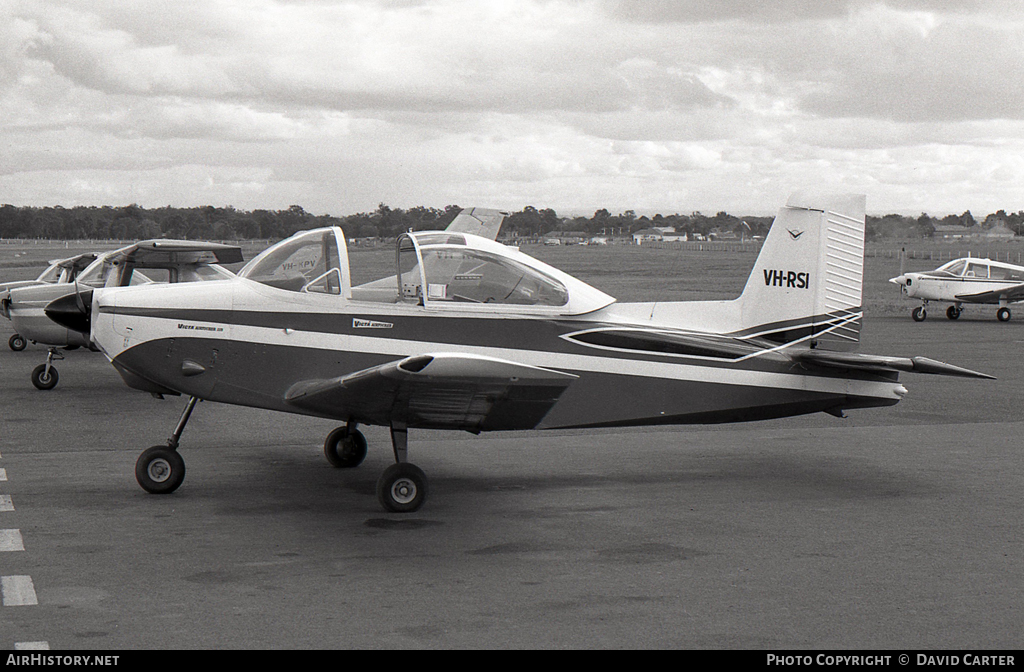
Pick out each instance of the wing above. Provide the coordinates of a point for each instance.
(1012, 293)
(882, 364)
(438, 391)
(478, 221)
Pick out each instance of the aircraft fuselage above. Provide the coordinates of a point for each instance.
(237, 342)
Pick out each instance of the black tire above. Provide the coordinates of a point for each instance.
(1003, 314)
(919, 314)
(344, 449)
(402, 488)
(43, 380)
(17, 343)
(160, 470)
(952, 312)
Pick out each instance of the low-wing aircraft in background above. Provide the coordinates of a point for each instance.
(473, 335)
(967, 280)
(58, 272)
(175, 260)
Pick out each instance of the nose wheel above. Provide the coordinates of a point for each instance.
(44, 376)
(161, 469)
(17, 343)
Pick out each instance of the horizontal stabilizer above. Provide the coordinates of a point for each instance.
(861, 362)
(439, 391)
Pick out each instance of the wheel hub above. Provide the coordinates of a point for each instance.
(403, 490)
(159, 470)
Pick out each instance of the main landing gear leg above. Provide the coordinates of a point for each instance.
(160, 469)
(402, 488)
(44, 376)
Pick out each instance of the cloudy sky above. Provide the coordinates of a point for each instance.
(656, 106)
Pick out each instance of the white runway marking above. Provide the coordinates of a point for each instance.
(18, 591)
(31, 646)
(5, 503)
(10, 540)
(3, 474)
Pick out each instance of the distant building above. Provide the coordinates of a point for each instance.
(950, 232)
(1000, 232)
(566, 237)
(647, 235)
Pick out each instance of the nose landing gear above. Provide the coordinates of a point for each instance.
(44, 376)
(161, 469)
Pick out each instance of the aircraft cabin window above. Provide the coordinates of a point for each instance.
(998, 273)
(52, 274)
(307, 263)
(975, 270)
(472, 276)
(96, 275)
(955, 268)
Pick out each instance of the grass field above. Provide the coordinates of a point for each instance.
(627, 272)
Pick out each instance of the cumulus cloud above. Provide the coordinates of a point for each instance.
(572, 104)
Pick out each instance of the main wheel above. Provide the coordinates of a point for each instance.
(17, 343)
(43, 380)
(402, 488)
(1003, 314)
(160, 470)
(345, 449)
(952, 312)
(919, 314)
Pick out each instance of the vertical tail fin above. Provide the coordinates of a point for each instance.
(807, 281)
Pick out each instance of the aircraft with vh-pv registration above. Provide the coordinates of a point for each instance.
(474, 335)
(174, 260)
(60, 271)
(965, 280)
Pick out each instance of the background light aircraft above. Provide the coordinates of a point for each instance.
(968, 280)
(470, 334)
(58, 272)
(174, 260)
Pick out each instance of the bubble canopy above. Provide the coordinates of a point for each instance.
(435, 269)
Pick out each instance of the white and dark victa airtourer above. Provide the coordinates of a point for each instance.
(474, 335)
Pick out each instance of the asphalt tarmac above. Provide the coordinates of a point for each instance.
(896, 528)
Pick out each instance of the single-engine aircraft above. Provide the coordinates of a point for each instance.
(177, 260)
(967, 280)
(471, 334)
(58, 272)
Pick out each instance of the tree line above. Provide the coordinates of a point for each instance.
(133, 222)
